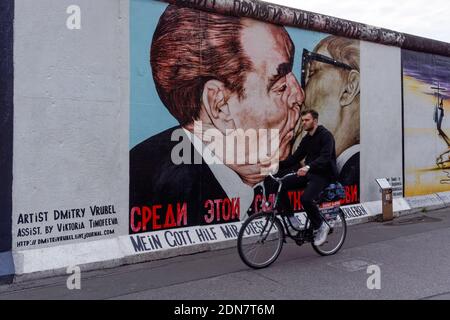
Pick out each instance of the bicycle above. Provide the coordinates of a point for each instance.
(268, 231)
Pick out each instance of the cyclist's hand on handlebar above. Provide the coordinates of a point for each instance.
(302, 171)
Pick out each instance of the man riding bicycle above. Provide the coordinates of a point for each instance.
(317, 148)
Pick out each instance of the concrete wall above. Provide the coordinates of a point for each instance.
(76, 93)
(381, 117)
(71, 118)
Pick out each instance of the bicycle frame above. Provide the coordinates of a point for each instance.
(303, 235)
(261, 251)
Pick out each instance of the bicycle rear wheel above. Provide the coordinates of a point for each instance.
(260, 240)
(336, 236)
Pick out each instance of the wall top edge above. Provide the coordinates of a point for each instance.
(298, 18)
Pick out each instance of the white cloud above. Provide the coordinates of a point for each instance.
(426, 18)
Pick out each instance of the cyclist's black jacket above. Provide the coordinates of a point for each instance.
(319, 150)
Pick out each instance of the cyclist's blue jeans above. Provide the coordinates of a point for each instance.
(313, 185)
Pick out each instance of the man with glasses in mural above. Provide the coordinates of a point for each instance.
(331, 80)
(228, 73)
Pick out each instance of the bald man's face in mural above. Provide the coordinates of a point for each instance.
(272, 95)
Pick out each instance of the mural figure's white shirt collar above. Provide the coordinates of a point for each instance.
(229, 180)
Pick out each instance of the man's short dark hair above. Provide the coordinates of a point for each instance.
(312, 112)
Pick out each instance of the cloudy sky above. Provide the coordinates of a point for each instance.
(426, 18)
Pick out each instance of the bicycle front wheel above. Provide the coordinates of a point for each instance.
(260, 240)
(336, 236)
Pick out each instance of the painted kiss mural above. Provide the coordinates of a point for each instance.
(426, 85)
(198, 79)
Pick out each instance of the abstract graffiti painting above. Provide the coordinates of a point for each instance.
(426, 84)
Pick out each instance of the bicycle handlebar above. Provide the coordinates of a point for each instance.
(282, 178)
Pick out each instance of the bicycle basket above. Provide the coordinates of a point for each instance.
(333, 192)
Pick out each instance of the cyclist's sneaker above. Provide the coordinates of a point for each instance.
(321, 235)
(331, 222)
